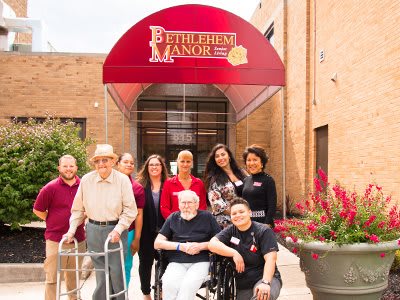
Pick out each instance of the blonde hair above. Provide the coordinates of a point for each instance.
(184, 154)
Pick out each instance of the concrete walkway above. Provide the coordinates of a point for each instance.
(294, 287)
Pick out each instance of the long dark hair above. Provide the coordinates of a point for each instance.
(143, 176)
(213, 173)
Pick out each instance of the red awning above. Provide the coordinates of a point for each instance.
(194, 44)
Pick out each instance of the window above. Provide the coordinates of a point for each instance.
(81, 122)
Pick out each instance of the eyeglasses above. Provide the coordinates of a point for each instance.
(103, 160)
(154, 165)
(184, 203)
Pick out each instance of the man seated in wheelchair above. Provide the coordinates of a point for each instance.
(185, 234)
(253, 248)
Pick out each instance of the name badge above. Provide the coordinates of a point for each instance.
(238, 183)
(256, 183)
(175, 194)
(235, 240)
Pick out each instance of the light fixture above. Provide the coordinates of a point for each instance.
(334, 77)
(96, 104)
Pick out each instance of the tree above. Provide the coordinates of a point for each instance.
(29, 154)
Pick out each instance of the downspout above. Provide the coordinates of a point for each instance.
(314, 101)
(105, 113)
(283, 155)
(283, 90)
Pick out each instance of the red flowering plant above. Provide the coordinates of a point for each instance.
(332, 214)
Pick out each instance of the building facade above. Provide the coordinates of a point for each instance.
(339, 109)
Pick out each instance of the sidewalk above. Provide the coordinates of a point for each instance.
(294, 287)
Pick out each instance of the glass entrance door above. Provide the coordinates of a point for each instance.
(165, 130)
(178, 140)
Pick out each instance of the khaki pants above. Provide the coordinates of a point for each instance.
(50, 268)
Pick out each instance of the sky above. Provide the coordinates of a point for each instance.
(94, 26)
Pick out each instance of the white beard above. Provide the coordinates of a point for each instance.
(187, 215)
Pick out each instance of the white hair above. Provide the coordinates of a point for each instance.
(188, 193)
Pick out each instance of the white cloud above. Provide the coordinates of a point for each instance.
(94, 26)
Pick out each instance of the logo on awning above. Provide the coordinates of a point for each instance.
(167, 45)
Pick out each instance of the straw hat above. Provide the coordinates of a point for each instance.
(104, 150)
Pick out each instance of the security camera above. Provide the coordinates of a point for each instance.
(334, 77)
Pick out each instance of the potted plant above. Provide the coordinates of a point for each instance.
(346, 241)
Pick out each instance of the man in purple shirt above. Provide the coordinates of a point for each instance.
(53, 205)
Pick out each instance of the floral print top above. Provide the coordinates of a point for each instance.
(220, 197)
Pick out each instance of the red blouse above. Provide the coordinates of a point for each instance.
(169, 196)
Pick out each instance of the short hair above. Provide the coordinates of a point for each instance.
(258, 151)
(66, 156)
(185, 153)
(239, 200)
(188, 193)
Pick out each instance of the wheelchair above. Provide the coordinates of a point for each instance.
(220, 283)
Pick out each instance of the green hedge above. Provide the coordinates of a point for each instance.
(29, 154)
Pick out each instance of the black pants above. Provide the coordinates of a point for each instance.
(146, 259)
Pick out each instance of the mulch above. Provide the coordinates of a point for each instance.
(22, 246)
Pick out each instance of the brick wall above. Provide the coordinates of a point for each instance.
(361, 108)
(361, 44)
(66, 85)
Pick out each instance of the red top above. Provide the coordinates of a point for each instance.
(169, 196)
(138, 192)
(56, 197)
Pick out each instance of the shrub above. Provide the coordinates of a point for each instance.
(29, 154)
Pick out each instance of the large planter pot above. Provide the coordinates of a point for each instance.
(356, 271)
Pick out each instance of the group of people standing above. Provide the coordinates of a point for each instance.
(166, 213)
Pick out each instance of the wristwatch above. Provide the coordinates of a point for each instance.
(266, 282)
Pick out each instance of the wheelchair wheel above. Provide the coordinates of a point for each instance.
(157, 281)
(226, 285)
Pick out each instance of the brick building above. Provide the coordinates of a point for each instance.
(339, 104)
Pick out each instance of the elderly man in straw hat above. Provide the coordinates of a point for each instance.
(105, 196)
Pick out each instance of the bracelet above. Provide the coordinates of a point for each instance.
(266, 282)
(177, 247)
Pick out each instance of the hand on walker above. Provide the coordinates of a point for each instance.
(114, 235)
(69, 236)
